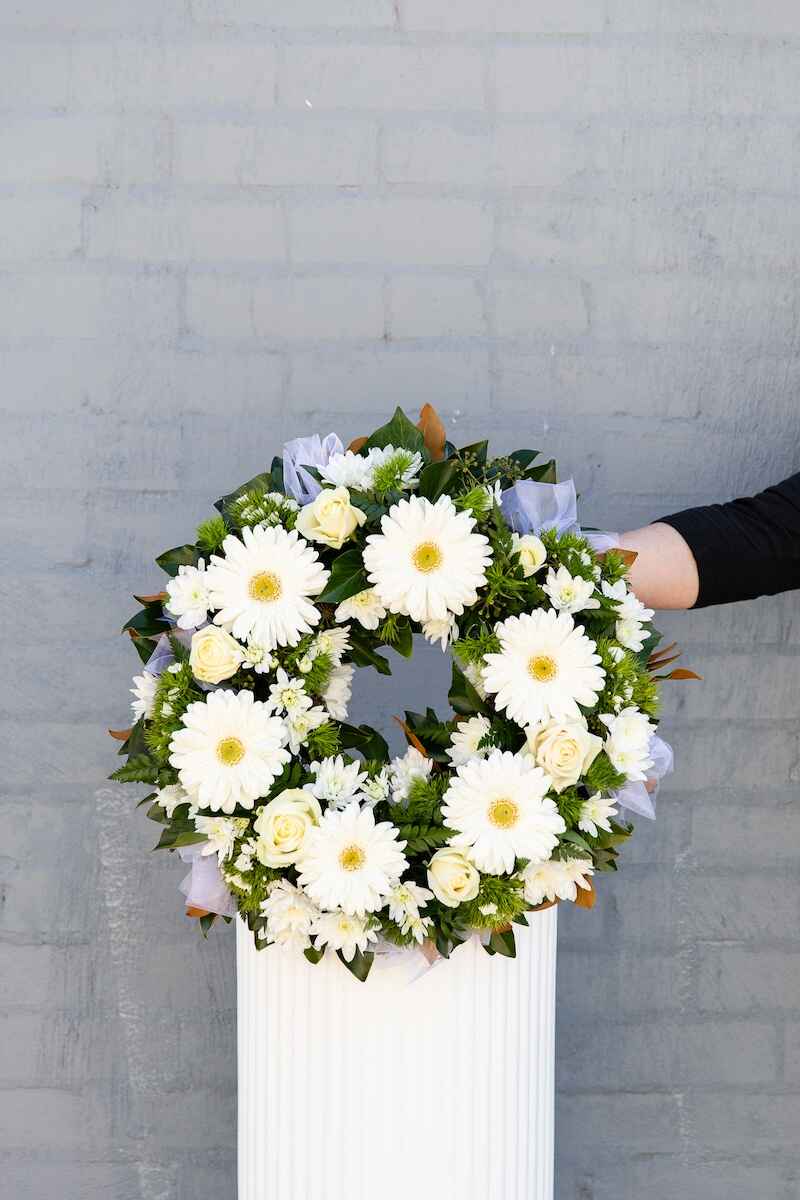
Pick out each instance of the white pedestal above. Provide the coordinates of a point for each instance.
(390, 1089)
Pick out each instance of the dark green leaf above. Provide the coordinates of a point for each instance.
(545, 473)
(503, 943)
(139, 768)
(148, 622)
(276, 475)
(399, 432)
(363, 654)
(314, 956)
(347, 577)
(135, 743)
(462, 695)
(359, 965)
(404, 641)
(206, 922)
(523, 458)
(476, 451)
(366, 740)
(436, 478)
(179, 556)
(264, 482)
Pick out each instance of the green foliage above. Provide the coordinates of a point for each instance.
(474, 647)
(366, 740)
(388, 477)
(347, 577)
(400, 433)
(324, 741)
(501, 895)
(174, 693)
(179, 556)
(211, 534)
(569, 804)
(363, 654)
(438, 478)
(395, 631)
(359, 965)
(423, 839)
(602, 776)
(317, 679)
(140, 768)
(260, 504)
(463, 697)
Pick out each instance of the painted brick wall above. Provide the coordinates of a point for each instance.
(225, 222)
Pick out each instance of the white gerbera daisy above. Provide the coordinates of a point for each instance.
(501, 812)
(628, 742)
(221, 833)
(188, 596)
(349, 862)
(546, 667)
(336, 781)
(343, 932)
(558, 879)
(261, 586)
(466, 738)
(287, 695)
(365, 607)
(596, 813)
(569, 593)
(229, 750)
(427, 562)
(348, 470)
(144, 695)
(290, 916)
(301, 722)
(404, 770)
(338, 690)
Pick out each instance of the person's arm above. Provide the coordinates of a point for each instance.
(721, 552)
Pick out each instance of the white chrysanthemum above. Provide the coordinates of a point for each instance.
(444, 632)
(336, 781)
(188, 596)
(351, 863)
(221, 833)
(365, 607)
(569, 593)
(558, 879)
(427, 561)
(393, 470)
(404, 770)
(257, 658)
(338, 690)
(500, 811)
(343, 932)
(377, 787)
(290, 916)
(348, 470)
(474, 675)
(406, 900)
(466, 738)
(596, 813)
(261, 586)
(301, 722)
(546, 667)
(628, 605)
(631, 634)
(144, 694)
(287, 695)
(229, 750)
(333, 642)
(171, 797)
(628, 742)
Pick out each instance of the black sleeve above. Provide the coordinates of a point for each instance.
(746, 548)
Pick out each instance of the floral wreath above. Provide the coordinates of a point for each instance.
(303, 823)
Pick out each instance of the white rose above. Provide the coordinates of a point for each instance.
(214, 655)
(452, 877)
(282, 826)
(531, 551)
(331, 518)
(564, 749)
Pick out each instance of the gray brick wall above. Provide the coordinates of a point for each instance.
(225, 222)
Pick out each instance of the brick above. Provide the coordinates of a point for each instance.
(287, 154)
(503, 16)
(39, 226)
(89, 306)
(407, 231)
(289, 14)
(116, 14)
(773, 17)
(53, 149)
(376, 78)
(539, 306)
(763, 836)
(452, 381)
(625, 982)
(79, 1181)
(34, 75)
(438, 152)
(736, 979)
(643, 1124)
(166, 231)
(424, 306)
(287, 309)
(723, 1122)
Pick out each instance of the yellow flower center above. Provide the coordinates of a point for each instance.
(265, 587)
(503, 813)
(352, 858)
(230, 751)
(427, 557)
(542, 668)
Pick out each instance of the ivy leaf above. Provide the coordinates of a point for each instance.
(399, 432)
(359, 965)
(179, 556)
(347, 577)
(435, 479)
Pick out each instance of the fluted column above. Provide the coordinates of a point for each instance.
(401, 1087)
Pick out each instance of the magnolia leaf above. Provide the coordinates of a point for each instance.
(586, 896)
(359, 965)
(192, 911)
(433, 432)
(121, 735)
(347, 577)
(313, 955)
(545, 904)
(179, 556)
(399, 432)
(680, 673)
(411, 737)
(156, 598)
(355, 446)
(435, 479)
(502, 942)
